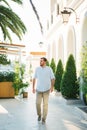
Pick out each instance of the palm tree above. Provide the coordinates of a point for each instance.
(10, 20)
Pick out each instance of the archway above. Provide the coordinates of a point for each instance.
(54, 50)
(71, 42)
(84, 28)
(60, 51)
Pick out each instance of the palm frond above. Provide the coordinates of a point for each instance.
(5, 1)
(36, 13)
(10, 20)
(7, 24)
(5, 32)
(17, 1)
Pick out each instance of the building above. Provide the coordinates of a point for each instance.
(68, 37)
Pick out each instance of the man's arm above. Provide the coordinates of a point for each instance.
(33, 85)
(52, 84)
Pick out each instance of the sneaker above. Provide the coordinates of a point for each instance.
(43, 121)
(39, 118)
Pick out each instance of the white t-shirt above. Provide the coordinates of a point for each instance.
(43, 76)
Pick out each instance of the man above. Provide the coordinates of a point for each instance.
(45, 83)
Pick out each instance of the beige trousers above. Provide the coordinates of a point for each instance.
(42, 109)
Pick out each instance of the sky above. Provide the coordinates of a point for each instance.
(33, 35)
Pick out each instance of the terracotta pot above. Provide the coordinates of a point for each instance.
(25, 94)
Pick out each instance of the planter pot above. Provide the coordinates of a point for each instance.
(25, 94)
(6, 90)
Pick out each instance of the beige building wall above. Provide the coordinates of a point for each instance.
(68, 38)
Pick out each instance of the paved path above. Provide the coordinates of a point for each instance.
(20, 114)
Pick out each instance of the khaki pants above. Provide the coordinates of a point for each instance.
(42, 96)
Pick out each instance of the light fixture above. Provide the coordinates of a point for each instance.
(66, 14)
(40, 44)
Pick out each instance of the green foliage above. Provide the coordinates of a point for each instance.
(69, 86)
(7, 76)
(53, 65)
(47, 63)
(58, 75)
(22, 70)
(4, 60)
(18, 78)
(10, 22)
(84, 68)
(84, 62)
(37, 16)
(16, 1)
(84, 87)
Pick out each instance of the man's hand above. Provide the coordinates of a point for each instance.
(52, 85)
(33, 86)
(34, 90)
(51, 89)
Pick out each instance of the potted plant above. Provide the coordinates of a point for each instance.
(24, 89)
(19, 83)
(4, 60)
(6, 77)
(6, 82)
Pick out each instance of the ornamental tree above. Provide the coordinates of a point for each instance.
(69, 86)
(53, 65)
(58, 75)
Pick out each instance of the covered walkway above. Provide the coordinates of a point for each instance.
(20, 114)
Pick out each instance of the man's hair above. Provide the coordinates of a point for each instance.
(44, 59)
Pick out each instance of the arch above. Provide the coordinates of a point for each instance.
(51, 51)
(84, 28)
(71, 42)
(54, 50)
(48, 52)
(60, 51)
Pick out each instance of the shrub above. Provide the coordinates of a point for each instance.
(19, 82)
(69, 86)
(4, 60)
(53, 65)
(58, 75)
(47, 63)
(83, 73)
(6, 76)
(84, 68)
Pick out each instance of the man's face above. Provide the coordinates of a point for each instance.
(42, 62)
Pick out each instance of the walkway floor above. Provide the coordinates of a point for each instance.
(20, 114)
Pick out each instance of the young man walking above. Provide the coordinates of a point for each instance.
(45, 83)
